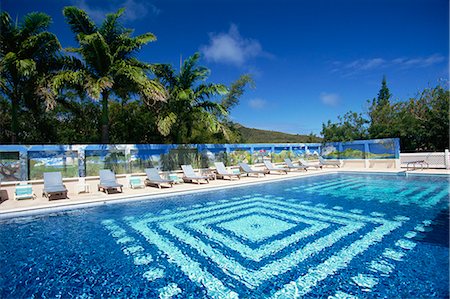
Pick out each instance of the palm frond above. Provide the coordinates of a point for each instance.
(144, 39)
(25, 67)
(7, 33)
(34, 23)
(66, 62)
(40, 46)
(45, 92)
(95, 87)
(206, 91)
(3, 84)
(137, 81)
(236, 90)
(8, 60)
(110, 28)
(97, 53)
(213, 107)
(68, 79)
(191, 73)
(166, 122)
(137, 63)
(78, 20)
(5, 22)
(165, 73)
(72, 50)
(126, 45)
(152, 91)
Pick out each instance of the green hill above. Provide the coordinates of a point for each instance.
(251, 135)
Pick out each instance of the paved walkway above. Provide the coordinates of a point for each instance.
(94, 197)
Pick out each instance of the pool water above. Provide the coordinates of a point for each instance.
(334, 235)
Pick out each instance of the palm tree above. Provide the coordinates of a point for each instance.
(28, 55)
(108, 65)
(189, 101)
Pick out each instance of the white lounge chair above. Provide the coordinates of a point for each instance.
(307, 164)
(324, 162)
(108, 181)
(222, 172)
(270, 167)
(153, 178)
(190, 176)
(53, 186)
(248, 170)
(291, 165)
(24, 191)
(135, 182)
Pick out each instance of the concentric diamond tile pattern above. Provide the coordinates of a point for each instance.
(256, 227)
(252, 240)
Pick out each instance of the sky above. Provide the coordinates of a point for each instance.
(311, 60)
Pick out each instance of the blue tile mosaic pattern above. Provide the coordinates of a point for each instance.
(330, 236)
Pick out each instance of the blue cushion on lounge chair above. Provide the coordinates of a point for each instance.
(24, 190)
(135, 181)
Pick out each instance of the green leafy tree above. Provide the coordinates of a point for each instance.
(236, 90)
(352, 126)
(384, 95)
(108, 66)
(380, 113)
(77, 118)
(422, 123)
(438, 102)
(28, 57)
(189, 105)
(133, 122)
(228, 102)
(312, 138)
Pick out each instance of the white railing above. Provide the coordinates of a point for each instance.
(434, 160)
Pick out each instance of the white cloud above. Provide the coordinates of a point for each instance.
(257, 104)
(368, 64)
(133, 9)
(419, 62)
(329, 99)
(231, 47)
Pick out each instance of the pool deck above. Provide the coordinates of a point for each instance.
(11, 207)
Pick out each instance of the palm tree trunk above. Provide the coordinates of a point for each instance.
(105, 117)
(14, 118)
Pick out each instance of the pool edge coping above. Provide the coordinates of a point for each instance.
(30, 211)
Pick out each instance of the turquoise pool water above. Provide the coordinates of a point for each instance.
(335, 235)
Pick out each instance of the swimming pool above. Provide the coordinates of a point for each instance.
(337, 235)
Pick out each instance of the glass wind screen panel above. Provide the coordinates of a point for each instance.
(181, 156)
(240, 155)
(261, 153)
(10, 166)
(352, 151)
(313, 150)
(211, 155)
(65, 162)
(384, 149)
(103, 159)
(141, 159)
(330, 151)
(281, 153)
(297, 151)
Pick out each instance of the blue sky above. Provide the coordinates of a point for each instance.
(311, 60)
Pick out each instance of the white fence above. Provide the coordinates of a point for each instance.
(434, 160)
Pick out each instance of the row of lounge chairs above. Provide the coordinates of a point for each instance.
(55, 189)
